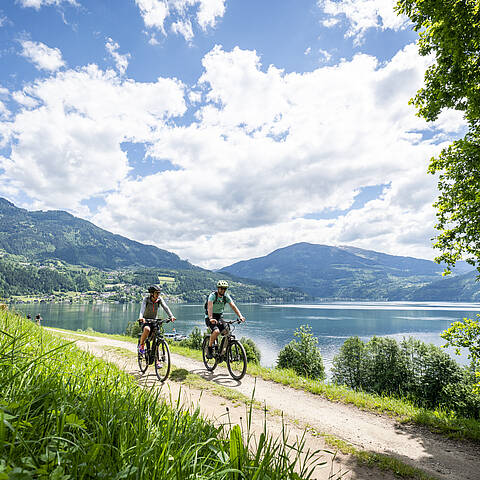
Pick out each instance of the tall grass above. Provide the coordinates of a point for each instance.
(66, 415)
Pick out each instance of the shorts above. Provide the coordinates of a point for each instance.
(148, 323)
(212, 326)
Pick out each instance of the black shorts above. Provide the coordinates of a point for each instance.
(148, 323)
(212, 326)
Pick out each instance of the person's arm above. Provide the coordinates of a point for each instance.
(236, 310)
(142, 310)
(167, 310)
(210, 311)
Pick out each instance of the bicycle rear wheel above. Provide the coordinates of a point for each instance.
(210, 363)
(162, 360)
(236, 360)
(143, 357)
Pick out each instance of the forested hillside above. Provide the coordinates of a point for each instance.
(39, 236)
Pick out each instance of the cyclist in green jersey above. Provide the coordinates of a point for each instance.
(214, 312)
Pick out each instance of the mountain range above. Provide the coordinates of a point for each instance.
(40, 235)
(318, 272)
(349, 273)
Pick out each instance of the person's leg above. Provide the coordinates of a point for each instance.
(145, 333)
(213, 336)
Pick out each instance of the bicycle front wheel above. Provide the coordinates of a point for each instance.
(143, 357)
(162, 360)
(210, 363)
(236, 360)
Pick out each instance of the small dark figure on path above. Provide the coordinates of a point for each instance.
(29, 317)
(38, 319)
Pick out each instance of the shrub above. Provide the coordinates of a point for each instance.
(347, 365)
(194, 339)
(303, 356)
(422, 372)
(133, 328)
(251, 349)
(384, 366)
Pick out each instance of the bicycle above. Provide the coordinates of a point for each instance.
(230, 350)
(156, 351)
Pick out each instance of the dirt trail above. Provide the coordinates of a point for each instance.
(440, 457)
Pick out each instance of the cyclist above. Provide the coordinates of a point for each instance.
(214, 312)
(148, 313)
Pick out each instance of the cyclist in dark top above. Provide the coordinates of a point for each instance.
(214, 314)
(148, 312)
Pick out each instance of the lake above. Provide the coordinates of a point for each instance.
(272, 326)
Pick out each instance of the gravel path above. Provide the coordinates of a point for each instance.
(438, 456)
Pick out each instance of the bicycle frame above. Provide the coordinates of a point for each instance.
(222, 349)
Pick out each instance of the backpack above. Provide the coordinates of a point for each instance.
(216, 298)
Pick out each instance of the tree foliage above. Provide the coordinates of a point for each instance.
(303, 355)
(450, 31)
(422, 372)
(466, 334)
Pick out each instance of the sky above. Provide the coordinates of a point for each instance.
(221, 130)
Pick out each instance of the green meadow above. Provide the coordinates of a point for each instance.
(65, 414)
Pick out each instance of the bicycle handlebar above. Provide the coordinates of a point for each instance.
(230, 322)
(156, 320)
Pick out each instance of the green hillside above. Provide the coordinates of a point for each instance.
(40, 236)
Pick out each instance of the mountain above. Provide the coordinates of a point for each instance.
(350, 273)
(39, 236)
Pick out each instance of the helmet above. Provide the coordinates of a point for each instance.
(153, 289)
(222, 283)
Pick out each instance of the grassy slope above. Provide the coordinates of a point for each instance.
(65, 414)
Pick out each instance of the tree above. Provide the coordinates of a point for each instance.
(466, 334)
(303, 355)
(450, 30)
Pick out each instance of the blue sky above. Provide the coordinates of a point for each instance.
(220, 129)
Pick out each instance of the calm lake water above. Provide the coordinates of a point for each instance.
(272, 326)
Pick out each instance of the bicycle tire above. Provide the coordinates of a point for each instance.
(236, 360)
(162, 360)
(143, 357)
(210, 363)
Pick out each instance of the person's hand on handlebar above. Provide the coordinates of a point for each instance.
(172, 319)
(241, 318)
(213, 320)
(141, 320)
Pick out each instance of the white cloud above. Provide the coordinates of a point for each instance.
(183, 28)
(209, 11)
(66, 146)
(362, 15)
(325, 56)
(37, 4)
(266, 149)
(42, 56)
(272, 147)
(121, 61)
(205, 12)
(154, 13)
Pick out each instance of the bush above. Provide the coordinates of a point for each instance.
(133, 328)
(303, 356)
(347, 365)
(251, 349)
(194, 339)
(422, 372)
